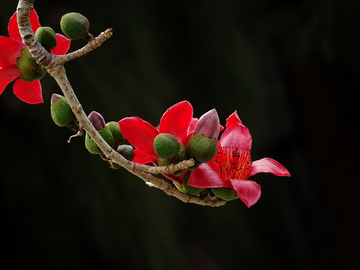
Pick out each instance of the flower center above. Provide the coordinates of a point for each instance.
(232, 162)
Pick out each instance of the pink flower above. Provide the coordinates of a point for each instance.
(10, 50)
(232, 165)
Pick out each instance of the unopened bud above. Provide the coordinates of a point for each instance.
(115, 131)
(202, 149)
(166, 145)
(47, 37)
(127, 151)
(97, 120)
(74, 25)
(208, 124)
(226, 194)
(60, 111)
(99, 124)
(29, 70)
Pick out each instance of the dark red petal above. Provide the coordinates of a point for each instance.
(176, 120)
(206, 177)
(233, 119)
(63, 45)
(139, 133)
(142, 158)
(268, 165)
(13, 26)
(29, 92)
(8, 74)
(248, 191)
(238, 136)
(9, 51)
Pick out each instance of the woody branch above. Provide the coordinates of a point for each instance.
(55, 67)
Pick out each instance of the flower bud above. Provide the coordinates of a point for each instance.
(74, 25)
(60, 111)
(202, 149)
(29, 70)
(166, 145)
(224, 193)
(127, 151)
(99, 123)
(115, 131)
(208, 124)
(47, 37)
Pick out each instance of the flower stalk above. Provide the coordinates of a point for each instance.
(55, 67)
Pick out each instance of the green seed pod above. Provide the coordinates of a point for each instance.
(115, 131)
(202, 149)
(91, 145)
(127, 151)
(74, 25)
(226, 194)
(60, 111)
(166, 145)
(29, 70)
(47, 37)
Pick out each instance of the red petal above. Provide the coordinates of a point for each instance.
(28, 92)
(248, 191)
(139, 133)
(177, 179)
(13, 26)
(176, 120)
(238, 136)
(63, 45)
(142, 158)
(233, 120)
(268, 165)
(9, 51)
(206, 177)
(8, 74)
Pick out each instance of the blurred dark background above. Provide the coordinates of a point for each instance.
(290, 69)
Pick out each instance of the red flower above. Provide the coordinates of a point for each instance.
(177, 121)
(10, 50)
(232, 164)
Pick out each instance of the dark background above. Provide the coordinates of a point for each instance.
(290, 69)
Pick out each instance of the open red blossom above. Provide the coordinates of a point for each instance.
(177, 120)
(10, 50)
(232, 166)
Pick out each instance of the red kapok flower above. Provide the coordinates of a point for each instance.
(232, 166)
(141, 134)
(10, 50)
(177, 120)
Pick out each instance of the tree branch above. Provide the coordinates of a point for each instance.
(54, 65)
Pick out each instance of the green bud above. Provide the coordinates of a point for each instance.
(226, 194)
(29, 70)
(181, 154)
(127, 151)
(91, 145)
(166, 145)
(189, 189)
(164, 161)
(202, 149)
(74, 25)
(115, 131)
(47, 37)
(60, 111)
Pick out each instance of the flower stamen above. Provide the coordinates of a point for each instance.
(232, 162)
